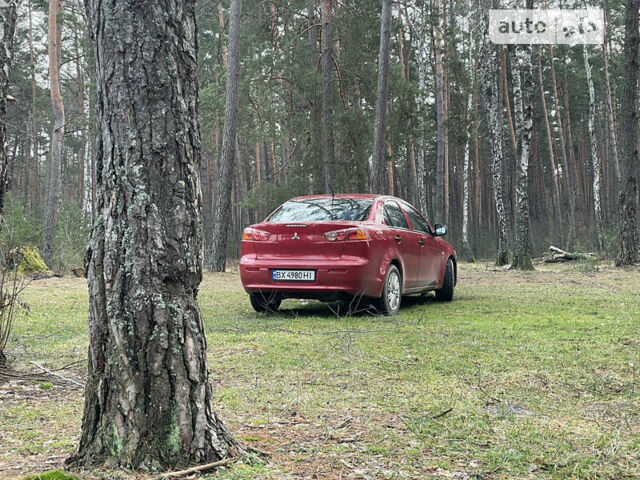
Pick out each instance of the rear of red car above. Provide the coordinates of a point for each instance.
(313, 247)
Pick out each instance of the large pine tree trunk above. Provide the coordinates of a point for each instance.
(148, 400)
(328, 155)
(629, 241)
(493, 106)
(595, 157)
(7, 25)
(377, 181)
(52, 202)
(222, 215)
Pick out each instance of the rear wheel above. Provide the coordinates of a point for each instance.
(445, 294)
(389, 302)
(265, 302)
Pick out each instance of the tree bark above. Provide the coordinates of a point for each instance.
(629, 241)
(315, 130)
(8, 26)
(52, 202)
(226, 167)
(595, 157)
(328, 155)
(148, 400)
(495, 125)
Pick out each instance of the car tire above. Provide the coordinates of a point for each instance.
(445, 294)
(265, 302)
(389, 301)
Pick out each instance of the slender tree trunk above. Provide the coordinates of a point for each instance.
(595, 158)
(466, 201)
(610, 109)
(566, 172)
(572, 173)
(522, 80)
(328, 155)
(148, 400)
(377, 180)
(555, 187)
(629, 241)
(315, 130)
(221, 218)
(35, 159)
(52, 202)
(441, 159)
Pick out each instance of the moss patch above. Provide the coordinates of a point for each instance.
(53, 475)
(29, 262)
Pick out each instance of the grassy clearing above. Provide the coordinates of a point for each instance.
(523, 375)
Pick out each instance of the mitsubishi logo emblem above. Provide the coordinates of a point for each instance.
(295, 236)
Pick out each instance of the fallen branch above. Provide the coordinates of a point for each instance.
(62, 377)
(198, 469)
(559, 255)
(442, 414)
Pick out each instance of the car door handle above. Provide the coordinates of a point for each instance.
(398, 238)
(421, 242)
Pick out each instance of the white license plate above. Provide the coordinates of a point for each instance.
(294, 275)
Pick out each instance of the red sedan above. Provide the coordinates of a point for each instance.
(330, 247)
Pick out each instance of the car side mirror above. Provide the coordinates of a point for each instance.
(440, 230)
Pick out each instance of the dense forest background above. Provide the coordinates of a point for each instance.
(436, 145)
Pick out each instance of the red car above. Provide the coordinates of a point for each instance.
(330, 247)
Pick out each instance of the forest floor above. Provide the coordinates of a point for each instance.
(524, 375)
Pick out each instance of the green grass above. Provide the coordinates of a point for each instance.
(540, 371)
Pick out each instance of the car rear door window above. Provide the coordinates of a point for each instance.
(419, 224)
(322, 210)
(393, 216)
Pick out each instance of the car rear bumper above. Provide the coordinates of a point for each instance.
(351, 276)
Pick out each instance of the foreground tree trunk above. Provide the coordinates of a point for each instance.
(495, 125)
(222, 215)
(629, 242)
(377, 183)
(52, 201)
(148, 400)
(7, 26)
(467, 251)
(328, 158)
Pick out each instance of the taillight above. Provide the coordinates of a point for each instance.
(348, 234)
(255, 235)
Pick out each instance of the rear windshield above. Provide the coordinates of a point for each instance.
(322, 210)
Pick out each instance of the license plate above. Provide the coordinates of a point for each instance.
(294, 275)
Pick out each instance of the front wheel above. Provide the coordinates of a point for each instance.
(445, 294)
(265, 302)
(389, 302)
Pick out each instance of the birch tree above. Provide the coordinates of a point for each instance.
(7, 30)
(52, 202)
(226, 170)
(466, 201)
(595, 158)
(629, 241)
(377, 183)
(148, 402)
